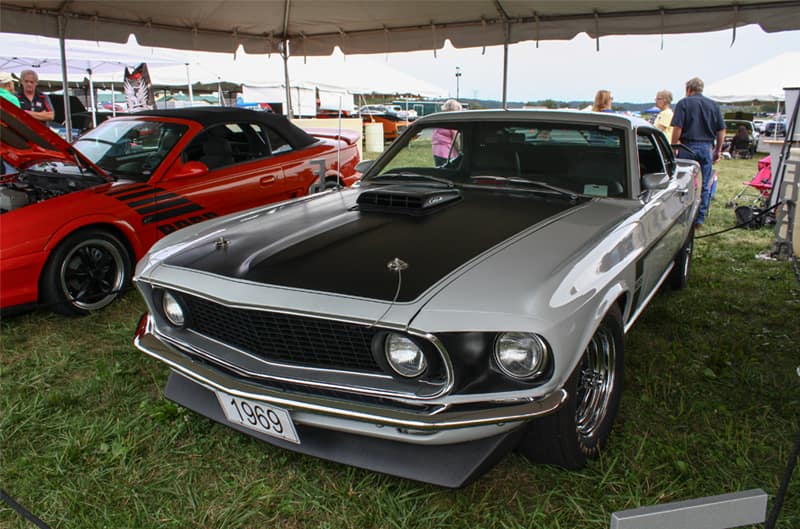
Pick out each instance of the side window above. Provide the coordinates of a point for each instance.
(650, 158)
(277, 143)
(667, 154)
(213, 147)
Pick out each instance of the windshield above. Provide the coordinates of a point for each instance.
(130, 149)
(579, 158)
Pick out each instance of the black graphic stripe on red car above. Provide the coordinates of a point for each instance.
(156, 204)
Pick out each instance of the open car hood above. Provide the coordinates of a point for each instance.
(24, 140)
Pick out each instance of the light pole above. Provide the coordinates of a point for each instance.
(458, 77)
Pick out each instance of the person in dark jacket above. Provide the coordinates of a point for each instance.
(32, 100)
(741, 141)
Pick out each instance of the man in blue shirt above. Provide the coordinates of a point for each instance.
(697, 123)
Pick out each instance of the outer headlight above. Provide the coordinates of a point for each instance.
(520, 355)
(404, 356)
(173, 310)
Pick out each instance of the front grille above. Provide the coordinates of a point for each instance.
(286, 338)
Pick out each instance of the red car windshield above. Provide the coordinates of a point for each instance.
(130, 149)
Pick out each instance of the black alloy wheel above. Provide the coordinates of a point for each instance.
(86, 272)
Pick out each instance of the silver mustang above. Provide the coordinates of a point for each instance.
(471, 296)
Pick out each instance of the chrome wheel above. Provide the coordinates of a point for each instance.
(92, 273)
(596, 383)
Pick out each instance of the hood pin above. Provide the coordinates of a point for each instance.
(222, 244)
(397, 265)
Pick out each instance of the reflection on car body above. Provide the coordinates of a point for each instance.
(484, 307)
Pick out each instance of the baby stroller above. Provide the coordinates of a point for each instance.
(754, 196)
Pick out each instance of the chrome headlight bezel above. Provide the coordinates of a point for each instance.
(404, 356)
(521, 356)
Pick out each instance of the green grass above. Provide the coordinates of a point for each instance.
(710, 406)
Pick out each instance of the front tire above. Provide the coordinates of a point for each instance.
(579, 430)
(85, 273)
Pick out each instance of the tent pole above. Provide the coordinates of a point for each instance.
(189, 85)
(91, 98)
(285, 55)
(65, 81)
(113, 102)
(506, 30)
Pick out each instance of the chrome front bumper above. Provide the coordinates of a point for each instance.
(438, 424)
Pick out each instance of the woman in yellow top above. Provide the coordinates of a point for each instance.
(663, 120)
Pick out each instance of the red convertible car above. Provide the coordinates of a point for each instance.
(76, 218)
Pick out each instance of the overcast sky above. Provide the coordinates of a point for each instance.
(632, 67)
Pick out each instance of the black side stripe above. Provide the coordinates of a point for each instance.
(146, 201)
(127, 189)
(162, 206)
(171, 213)
(137, 194)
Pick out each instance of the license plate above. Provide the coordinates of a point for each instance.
(258, 416)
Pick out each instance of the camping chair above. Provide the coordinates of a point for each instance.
(755, 193)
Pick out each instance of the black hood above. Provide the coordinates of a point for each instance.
(352, 257)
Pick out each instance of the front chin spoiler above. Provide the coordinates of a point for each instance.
(454, 465)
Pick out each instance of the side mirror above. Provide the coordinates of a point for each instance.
(652, 181)
(189, 169)
(364, 165)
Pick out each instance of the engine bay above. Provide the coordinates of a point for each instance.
(42, 182)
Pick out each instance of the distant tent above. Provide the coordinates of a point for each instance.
(652, 110)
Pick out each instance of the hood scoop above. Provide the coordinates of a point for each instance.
(406, 199)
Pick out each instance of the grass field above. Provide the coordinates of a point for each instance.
(711, 406)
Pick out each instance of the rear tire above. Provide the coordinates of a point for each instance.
(578, 431)
(86, 272)
(679, 276)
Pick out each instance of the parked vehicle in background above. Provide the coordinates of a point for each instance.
(758, 124)
(407, 114)
(775, 127)
(732, 128)
(393, 125)
(76, 218)
(437, 315)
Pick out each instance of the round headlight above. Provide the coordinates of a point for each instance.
(520, 354)
(404, 356)
(173, 310)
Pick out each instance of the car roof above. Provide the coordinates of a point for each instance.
(566, 116)
(212, 115)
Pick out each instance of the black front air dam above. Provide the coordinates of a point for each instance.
(445, 465)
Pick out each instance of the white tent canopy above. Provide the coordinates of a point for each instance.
(21, 52)
(762, 82)
(363, 26)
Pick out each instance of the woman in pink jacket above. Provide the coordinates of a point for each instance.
(442, 139)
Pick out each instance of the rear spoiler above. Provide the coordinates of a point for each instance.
(346, 135)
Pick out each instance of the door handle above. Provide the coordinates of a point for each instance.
(267, 180)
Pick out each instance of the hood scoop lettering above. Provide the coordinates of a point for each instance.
(407, 200)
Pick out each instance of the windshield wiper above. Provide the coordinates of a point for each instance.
(571, 195)
(414, 176)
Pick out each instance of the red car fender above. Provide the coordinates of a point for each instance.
(129, 234)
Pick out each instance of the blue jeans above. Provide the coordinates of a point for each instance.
(703, 154)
